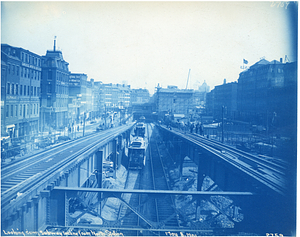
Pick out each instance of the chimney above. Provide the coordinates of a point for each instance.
(224, 82)
(54, 43)
(281, 60)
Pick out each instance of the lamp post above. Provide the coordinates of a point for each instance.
(105, 115)
(84, 116)
(223, 107)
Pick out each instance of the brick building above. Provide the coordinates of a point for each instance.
(20, 90)
(174, 100)
(55, 90)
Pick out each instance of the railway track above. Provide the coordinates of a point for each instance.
(128, 217)
(20, 177)
(266, 171)
(164, 213)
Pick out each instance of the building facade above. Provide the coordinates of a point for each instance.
(20, 91)
(173, 100)
(225, 100)
(77, 104)
(258, 91)
(139, 96)
(55, 91)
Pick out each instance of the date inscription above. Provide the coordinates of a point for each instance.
(275, 234)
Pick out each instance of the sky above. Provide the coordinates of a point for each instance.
(146, 43)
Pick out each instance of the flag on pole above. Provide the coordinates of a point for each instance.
(245, 61)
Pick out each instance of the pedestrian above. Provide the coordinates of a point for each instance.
(192, 128)
(197, 128)
(201, 130)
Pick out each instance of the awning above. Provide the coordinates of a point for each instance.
(10, 126)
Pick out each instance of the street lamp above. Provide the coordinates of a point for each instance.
(84, 116)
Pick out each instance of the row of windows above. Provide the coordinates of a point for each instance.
(13, 89)
(27, 58)
(62, 102)
(22, 110)
(25, 72)
(59, 76)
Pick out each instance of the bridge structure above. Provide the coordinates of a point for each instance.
(35, 194)
(271, 207)
(28, 201)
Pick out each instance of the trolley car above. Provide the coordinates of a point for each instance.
(137, 153)
(139, 130)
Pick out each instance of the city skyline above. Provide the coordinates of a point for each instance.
(146, 43)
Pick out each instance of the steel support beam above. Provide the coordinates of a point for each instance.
(152, 192)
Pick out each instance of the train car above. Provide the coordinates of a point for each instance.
(142, 119)
(137, 153)
(139, 130)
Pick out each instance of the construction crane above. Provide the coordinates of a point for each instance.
(188, 79)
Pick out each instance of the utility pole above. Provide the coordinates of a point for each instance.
(223, 124)
(84, 115)
(105, 115)
(188, 79)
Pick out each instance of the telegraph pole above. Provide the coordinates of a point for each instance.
(223, 124)
(84, 115)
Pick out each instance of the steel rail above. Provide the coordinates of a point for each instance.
(41, 179)
(271, 182)
(163, 210)
(152, 172)
(222, 147)
(270, 165)
(12, 169)
(44, 159)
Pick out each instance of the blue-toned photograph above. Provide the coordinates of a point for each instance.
(149, 118)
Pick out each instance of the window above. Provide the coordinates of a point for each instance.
(17, 89)
(49, 74)
(12, 89)
(16, 110)
(34, 91)
(37, 109)
(8, 89)
(21, 89)
(34, 109)
(28, 108)
(24, 89)
(49, 90)
(11, 110)
(13, 69)
(31, 92)
(49, 102)
(24, 112)
(17, 69)
(28, 90)
(8, 66)
(21, 69)
(7, 110)
(20, 110)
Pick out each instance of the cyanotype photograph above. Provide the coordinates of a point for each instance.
(149, 118)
